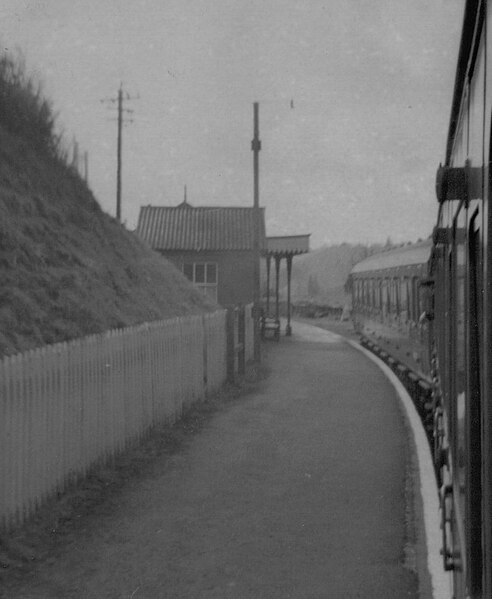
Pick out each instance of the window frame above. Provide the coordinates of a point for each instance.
(207, 287)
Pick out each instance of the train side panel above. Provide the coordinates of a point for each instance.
(463, 332)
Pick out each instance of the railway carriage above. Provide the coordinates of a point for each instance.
(390, 311)
(462, 342)
(455, 296)
(388, 300)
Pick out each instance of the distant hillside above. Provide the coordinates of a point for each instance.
(66, 268)
(320, 276)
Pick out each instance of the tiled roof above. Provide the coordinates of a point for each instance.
(186, 227)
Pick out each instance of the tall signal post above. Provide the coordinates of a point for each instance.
(256, 147)
(119, 101)
(118, 162)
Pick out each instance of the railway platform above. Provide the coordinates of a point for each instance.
(305, 489)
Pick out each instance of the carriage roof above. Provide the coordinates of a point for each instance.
(416, 254)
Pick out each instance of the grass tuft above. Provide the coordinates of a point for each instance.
(24, 110)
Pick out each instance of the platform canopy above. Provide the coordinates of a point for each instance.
(284, 246)
(278, 248)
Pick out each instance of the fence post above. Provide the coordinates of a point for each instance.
(230, 346)
(205, 355)
(241, 339)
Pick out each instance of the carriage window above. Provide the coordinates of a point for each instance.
(404, 295)
(377, 294)
(393, 304)
(384, 296)
(422, 300)
(415, 300)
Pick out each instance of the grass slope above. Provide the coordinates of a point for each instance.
(66, 268)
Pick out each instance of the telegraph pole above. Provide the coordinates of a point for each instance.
(118, 168)
(119, 101)
(256, 147)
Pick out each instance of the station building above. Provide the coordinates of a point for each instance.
(212, 246)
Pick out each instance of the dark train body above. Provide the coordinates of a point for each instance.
(454, 329)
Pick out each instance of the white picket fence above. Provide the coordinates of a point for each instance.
(66, 407)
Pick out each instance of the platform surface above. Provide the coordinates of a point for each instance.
(299, 490)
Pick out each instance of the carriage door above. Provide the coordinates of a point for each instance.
(473, 484)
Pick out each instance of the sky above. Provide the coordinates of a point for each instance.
(354, 103)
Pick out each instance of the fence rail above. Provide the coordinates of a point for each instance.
(66, 407)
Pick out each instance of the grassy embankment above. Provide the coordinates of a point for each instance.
(67, 269)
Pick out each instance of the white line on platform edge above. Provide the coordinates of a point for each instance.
(440, 580)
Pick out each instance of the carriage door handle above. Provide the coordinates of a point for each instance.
(446, 509)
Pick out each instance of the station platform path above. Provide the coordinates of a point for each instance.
(303, 489)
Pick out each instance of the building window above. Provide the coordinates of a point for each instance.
(204, 276)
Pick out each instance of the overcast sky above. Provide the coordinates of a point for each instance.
(354, 97)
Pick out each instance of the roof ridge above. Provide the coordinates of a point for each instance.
(189, 206)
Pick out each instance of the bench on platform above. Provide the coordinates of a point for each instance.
(271, 325)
